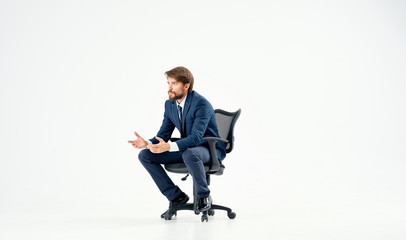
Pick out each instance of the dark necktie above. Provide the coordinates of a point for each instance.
(181, 118)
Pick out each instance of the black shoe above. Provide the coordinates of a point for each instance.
(204, 204)
(178, 201)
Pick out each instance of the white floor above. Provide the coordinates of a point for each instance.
(293, 220)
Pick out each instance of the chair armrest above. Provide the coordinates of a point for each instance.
(215, 164)
(215, 139)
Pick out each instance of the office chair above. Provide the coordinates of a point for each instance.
(225, 124)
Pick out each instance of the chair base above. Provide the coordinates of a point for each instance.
(192, 207)
(181, 168)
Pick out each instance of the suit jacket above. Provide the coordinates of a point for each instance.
(198, 122)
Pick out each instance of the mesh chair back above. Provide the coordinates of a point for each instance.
(225, 124)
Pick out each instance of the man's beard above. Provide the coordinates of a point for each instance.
(175, 97)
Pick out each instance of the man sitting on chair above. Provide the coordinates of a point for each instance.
(194, 117)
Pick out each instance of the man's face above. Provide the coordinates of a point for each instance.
(176, 90)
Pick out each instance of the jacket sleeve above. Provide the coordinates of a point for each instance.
(167, 127)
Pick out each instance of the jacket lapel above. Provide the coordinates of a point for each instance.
(175, 115)
(186, 109)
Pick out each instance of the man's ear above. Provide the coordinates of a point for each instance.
(187, 86)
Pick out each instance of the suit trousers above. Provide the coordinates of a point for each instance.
(194, 158)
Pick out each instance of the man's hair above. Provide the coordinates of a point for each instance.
(181, 74)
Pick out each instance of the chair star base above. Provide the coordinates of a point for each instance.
(172, 212)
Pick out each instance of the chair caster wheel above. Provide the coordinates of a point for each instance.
(231, 215)
(211, 212)
(205, 218)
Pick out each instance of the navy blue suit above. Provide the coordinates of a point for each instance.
(198, 122)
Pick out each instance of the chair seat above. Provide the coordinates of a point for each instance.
(181, 168)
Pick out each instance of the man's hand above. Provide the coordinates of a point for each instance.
(139, 142)
(160, 147)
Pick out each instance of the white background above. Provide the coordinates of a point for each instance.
(319, 145)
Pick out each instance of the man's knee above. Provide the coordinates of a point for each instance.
(145, 156)
(190, 155)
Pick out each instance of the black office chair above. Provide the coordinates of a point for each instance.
(225, 124)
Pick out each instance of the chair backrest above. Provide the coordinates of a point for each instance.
(225, 124)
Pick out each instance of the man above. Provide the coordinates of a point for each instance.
(194, 117)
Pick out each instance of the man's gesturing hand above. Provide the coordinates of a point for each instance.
(160, 147)
(139, 142)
